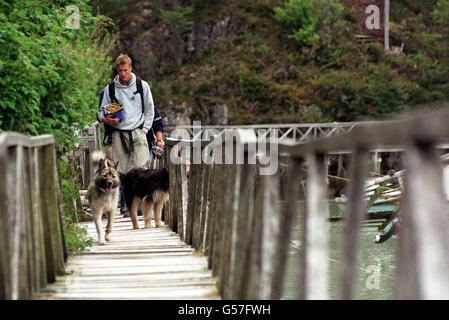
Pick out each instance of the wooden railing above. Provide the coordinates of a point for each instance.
(32, 245)
(230, 212)
(91, 138)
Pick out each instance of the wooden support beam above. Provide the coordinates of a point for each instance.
(271, 232)
(314, 263)
(289, 212)
(423, 260)
(241, 240)
(348, 269)
(51, 215)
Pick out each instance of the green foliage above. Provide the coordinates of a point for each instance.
(177, 18)
(441, 16)
(51, 72)
(338, 93)
(298, 18)
(252, 86)
(375, 91)
(202, 4)
(76, 237)
(385, 93)
(303, 63)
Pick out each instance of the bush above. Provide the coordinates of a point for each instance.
(319, 21)
(338, 94)
(297, 16)
(176, 18)
(51, 71)
(386, 93)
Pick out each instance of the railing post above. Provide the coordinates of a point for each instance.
(5, 271)
(51, 215)
(205, 205)
(271, 229)
(175, 184)
(194, 184)
(241, 239)
(251, 285)
(289, 212)
(229, 198)
(314, 270)
(15, 221)
(355, 208)
(217, 234)
(210, 226)
(199, 203)
(423, 258)
(36, 212)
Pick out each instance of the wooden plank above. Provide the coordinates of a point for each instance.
(271, 229)
(182, 213)
(38, 235)
(208, 240)
(314, 258)
(30, 280)
(205, 206)
(51, 215)
(243, 231)
(135, 264)
(194, 184)
(231, 283)
(287, 218)
(15, 221)
(197, 214)
(218, 233)
(173, 183)
(5, 273)
(253, 250)
(348, 269)
(230, 185)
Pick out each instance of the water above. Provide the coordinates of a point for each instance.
(376, 268)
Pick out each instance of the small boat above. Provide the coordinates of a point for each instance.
(382, 198)
(379, 209)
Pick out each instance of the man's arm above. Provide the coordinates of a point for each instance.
(158, 128)
(105, 101)
(149, 107)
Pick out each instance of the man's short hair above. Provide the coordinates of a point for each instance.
(122, 59)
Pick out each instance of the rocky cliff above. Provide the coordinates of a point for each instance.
(160, 44)
(236, 62)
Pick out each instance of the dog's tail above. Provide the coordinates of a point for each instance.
(96, 156)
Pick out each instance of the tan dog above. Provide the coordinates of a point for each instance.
(103, 193)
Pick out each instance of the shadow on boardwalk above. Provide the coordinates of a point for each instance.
(135, 264)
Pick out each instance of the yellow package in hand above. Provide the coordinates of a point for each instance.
(113, 108)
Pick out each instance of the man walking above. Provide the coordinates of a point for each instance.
(129, 135)
(129, 141)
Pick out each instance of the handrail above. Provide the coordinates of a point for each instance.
(32, 245)
(229, 211)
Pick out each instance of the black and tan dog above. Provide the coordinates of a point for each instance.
(103, 193)
(150, 186)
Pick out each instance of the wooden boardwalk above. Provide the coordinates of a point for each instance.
(135, 264)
